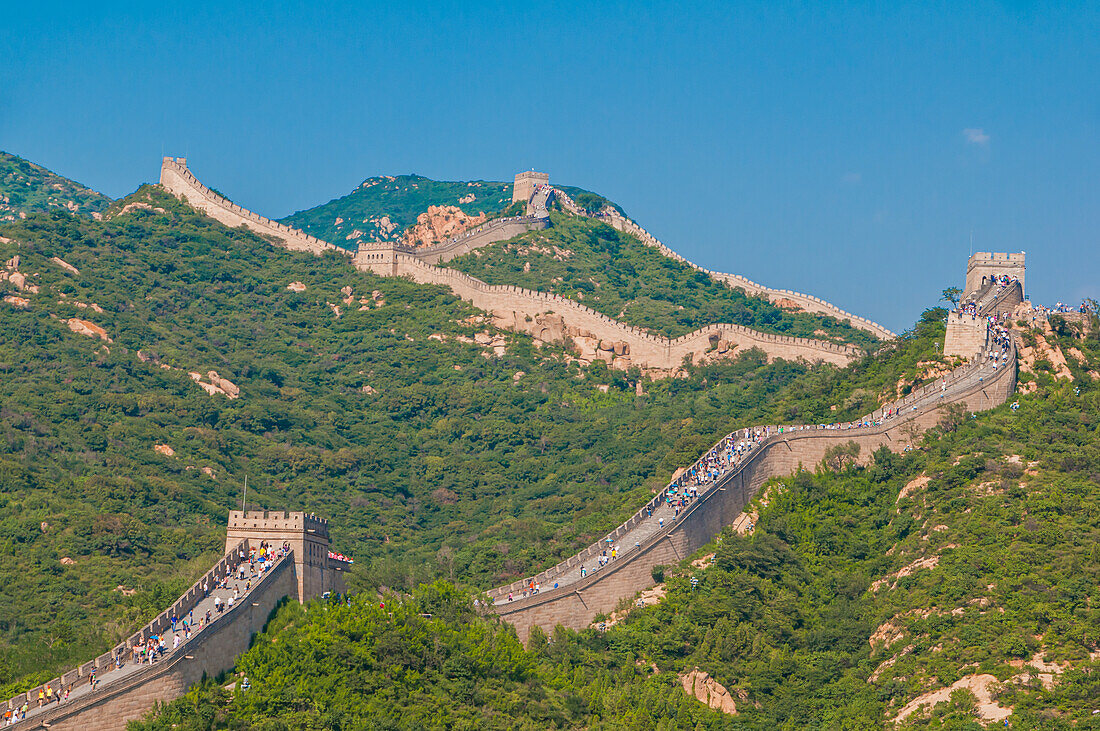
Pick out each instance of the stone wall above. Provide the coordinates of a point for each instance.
(967, 335)
(782, 297)
(309, 541)
(984, 264)
(551, 317)
(543, 315)
(178, 180)
(209, 652)
(575, 605)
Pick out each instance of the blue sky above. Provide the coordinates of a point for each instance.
(846, 150)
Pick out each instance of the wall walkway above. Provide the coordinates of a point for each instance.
(569, 599)
(805, 302)
(128, 691)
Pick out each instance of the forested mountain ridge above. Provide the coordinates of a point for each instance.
(151, 359)
(954, 586)
(28, 188)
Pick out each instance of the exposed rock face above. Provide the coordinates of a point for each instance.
(296, 287)
(84, 327)
(708, 690)
(980, 685)
(17, 301)
(64, 265)
(216, 384)
(165, 450)
(439, 223)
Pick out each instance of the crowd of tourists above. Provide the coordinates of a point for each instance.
(250, 569)
(970, 307)
(736, 447)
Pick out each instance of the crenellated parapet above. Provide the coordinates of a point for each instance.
(178, 180)
(544, 315)
(298, 564)
(528, 311)
(782, 297)
(573, 598)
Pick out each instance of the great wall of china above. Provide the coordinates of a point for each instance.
(782, 297)
(543, 315)
(128, 690)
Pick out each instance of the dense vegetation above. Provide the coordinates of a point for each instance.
(807, 621)
(618, 275)
(358, 216)
(27, 188)
(431, 455)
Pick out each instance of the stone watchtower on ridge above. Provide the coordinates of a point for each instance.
(308, 537)
(984, 266)
(526, 184)
(967, 328)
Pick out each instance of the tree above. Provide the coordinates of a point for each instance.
(951, 295)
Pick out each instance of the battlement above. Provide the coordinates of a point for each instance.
(987, 256)
(526, 183)
(984, 266)
(278, 520)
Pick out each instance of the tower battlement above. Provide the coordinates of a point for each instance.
(526, 183)
(984, 265)
(308, 536)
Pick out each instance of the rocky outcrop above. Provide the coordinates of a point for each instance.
(708, 690)
(84, 327)
(439, 223)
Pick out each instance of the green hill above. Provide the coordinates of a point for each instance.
(27, 188)
(382, 208)
(970, 564)
(618, 275)
(432, 455)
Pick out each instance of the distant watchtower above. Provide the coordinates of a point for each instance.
(526, 184)
(984, 266)
(308, 539)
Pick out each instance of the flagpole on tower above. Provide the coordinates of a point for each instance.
(245, 495)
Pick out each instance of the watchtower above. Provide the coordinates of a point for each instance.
(984, 266)
(526, 184)
(308, 538)
(379, 257)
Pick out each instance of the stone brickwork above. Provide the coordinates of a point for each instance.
(526, 183)
(985, 265)
(304, 573)
(551, 317)
(967, 335)
(308, 538)
(208, 653)
(178, 180)
(977, 386)
(782, 297)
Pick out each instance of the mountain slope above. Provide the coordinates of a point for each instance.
(383, 208)
(954, 586)
(28, 188)
(152, 359)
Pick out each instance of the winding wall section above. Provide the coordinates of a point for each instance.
(546, 316)
(577, 600)
(805, 302)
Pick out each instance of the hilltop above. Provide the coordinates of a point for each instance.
(27, 188)
(384, 208)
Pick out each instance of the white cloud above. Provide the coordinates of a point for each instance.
(976, 136)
